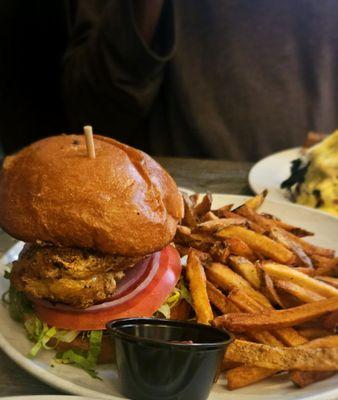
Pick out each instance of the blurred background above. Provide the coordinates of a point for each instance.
(234, 80)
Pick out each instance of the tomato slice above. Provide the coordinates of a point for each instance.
(143, 304)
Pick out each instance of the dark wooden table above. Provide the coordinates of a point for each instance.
(198, 175)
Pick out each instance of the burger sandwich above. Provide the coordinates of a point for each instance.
(97, 235)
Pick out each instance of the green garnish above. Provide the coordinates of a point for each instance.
(84, 359)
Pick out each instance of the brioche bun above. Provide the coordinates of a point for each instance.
(122, 202)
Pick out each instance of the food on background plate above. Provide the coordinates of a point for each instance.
(236, 261)
(314, 176)
(97, 231)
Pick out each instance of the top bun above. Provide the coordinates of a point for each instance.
(122, 202)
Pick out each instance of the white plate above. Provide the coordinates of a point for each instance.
(271, 171)
(72, 380)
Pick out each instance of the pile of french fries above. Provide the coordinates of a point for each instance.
(255, 276)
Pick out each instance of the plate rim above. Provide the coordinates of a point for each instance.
(66, 386)
(262, 161)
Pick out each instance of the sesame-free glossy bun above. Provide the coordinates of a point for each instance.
(122, 202)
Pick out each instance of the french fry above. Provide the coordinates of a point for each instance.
(271, 292)
(217, 224)
(301, 293)
(325, 265)
(263, 252)
(198, 290)
(305, 378)
(331, 322)
(275, 319)
(311, 249)
(189, 218)
(259, 243)
(268, 222)
(289, 336)
(250, 214)
(283, 272)
(180, 311)
(247, 270)
(194, 199)
(283, 358)
(223, 277)
(295, 230)
(329, 280)
(209, 216)
(239, 248)
(204, 206)
(280, 236)
(220, 252)
(219, 300)
(255, 202)
(251, 225)
(244, 375)
(185, 238)
(313, 333)
(323, 342)
(220, 211)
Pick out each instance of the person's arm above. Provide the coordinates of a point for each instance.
(113, 68)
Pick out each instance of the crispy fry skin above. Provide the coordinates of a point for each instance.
(204, 206)
(223, 277)
(259, 243)
(239, 248)
(283, 272)
(180, 311)
(303, 294)
(311, 249)
(220, 301)
(220, 252)
(288, 336)
(283, 358)
(255, 202)
(313, 333)
(251, 225)
(189, 218)
(331, 322)
(270, 291)
(280, 236)
(247, 270)
(275, 319)
(329, 280)
(209, 216)
(246, 375)
(305, 378)
(197, 283)
(215, 225)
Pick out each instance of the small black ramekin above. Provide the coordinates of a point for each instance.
(153, 363)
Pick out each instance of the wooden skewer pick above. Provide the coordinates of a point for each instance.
(88, 131)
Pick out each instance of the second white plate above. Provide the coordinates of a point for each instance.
(271, 171)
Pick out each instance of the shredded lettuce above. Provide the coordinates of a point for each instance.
(84, 359)
(18, 305)
(40, 333)
(180, 292)
(21, 310)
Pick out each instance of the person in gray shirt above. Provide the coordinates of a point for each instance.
(232, 79)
